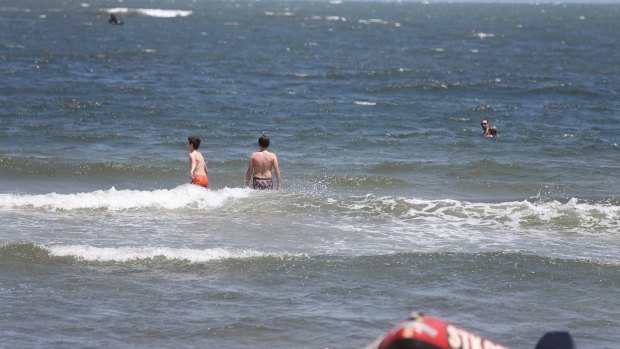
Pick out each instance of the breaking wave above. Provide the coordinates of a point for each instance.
(592, 217)
(183, 196)
(128, 254)
(150, 12)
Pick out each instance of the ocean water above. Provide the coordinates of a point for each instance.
(391, 202)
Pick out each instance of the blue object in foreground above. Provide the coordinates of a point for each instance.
(556, 340)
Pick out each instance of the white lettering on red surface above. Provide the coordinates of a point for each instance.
(461, 339)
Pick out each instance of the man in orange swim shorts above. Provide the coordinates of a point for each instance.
(197, 165)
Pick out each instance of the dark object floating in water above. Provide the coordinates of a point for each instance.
(114, 20)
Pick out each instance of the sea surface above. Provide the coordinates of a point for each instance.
(392, 201)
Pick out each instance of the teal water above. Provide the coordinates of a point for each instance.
(392, 200)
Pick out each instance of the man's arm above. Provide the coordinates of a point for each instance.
(276, 169)
(249, 172)
(192, 165)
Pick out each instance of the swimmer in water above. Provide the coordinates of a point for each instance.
(114, 20)
(488, 130)
(197, 166)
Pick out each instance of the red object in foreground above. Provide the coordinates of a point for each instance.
(425, 332)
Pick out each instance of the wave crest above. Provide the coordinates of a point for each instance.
(593, 217)
(150, 12)
(128, 254)
(183, 196)
(571, 215)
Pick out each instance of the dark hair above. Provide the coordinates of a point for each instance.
(194, 141)
(263, 141)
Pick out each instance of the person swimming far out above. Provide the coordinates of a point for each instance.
(114, 20)
(260, 166)
(488, 130)
(197, 166)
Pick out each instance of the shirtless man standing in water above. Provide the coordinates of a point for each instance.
(197, 165)
(261, 163)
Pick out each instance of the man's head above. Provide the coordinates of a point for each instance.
(194, 141)
(263, 141)
(485, 124)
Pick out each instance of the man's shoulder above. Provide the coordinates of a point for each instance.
(195, 154)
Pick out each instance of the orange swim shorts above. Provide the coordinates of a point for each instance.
(200, 180)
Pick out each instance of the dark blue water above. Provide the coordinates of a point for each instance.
(392, 200)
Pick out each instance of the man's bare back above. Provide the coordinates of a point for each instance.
(260, 166)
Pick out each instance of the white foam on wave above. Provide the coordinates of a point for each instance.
(365, 103)
(483, 36)
(520, 214)
(126, 254)
(335, 18)
(279, 14)
(183, 196)
(151, 12)
(572, 229)
(372, 21)
(573, 215)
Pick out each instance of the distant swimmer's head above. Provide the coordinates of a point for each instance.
(263, 141)
(194, 142)
(113, 19)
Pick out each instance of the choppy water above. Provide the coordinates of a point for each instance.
(392, 201)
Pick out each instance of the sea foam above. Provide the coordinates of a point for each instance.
(150, 12)
(574, 214)
(126, 253)
(183, 196)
